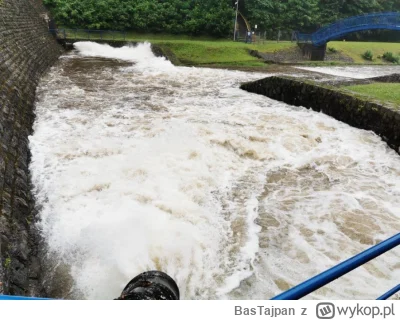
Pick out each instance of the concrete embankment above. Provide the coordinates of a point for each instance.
(383, 119)
(26, 52)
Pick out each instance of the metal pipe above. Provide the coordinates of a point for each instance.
(151, 285)
(234, 31)
(389, 293)
(341, 269)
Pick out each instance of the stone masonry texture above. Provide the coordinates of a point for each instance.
(27, 50)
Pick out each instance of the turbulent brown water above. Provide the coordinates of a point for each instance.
(139, 165)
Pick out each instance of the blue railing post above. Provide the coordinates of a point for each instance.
(341, 269)
(390, 293)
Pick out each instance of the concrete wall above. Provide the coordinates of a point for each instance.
(384, 120)
(26, 52)
(312, 52)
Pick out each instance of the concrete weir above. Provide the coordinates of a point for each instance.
(26, 53)
(356, 111)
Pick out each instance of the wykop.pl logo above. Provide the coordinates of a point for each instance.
(325, 310)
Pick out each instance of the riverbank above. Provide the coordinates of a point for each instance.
(265, 56)
(386, 92)
(226, 53)
(27, 52)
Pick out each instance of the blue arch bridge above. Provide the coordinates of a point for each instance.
(314, 45)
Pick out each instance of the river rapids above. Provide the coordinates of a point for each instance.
(139, 165)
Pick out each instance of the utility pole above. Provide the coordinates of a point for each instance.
(237, 9)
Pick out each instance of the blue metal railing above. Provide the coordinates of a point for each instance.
(373, 21)
(341, 269)
(390, 293)
(320, 280)
(86, 34)
(4, 297)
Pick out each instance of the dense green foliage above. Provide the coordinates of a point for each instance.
(212, 17)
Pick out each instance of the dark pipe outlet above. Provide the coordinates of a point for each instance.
(151, 285)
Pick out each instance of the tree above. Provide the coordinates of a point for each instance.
(286, 14)
(301, 15)
(329, 11)
(265, 13)
(212, 17)
(350, 8)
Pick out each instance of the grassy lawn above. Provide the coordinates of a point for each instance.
(204, 51)
(386, 92)
(355, 49)
(220, 52)
(228, 52)
(197, 52)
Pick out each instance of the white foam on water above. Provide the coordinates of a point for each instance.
(355, 72)
(141, 54)
(151, 166)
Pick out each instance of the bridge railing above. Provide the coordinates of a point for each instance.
(385, 20)
(341, 269)
(370, 21)
(85, 34)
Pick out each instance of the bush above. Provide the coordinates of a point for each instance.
(367, 55)
(389, 56)
(332, 50)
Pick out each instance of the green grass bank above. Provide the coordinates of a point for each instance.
(206, 51)
(355, 50)
(384, 92)
(225, 52)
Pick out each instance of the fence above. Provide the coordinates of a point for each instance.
(84, 34)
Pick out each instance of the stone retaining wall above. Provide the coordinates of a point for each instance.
(26, 52)
(392, 78)
(384, 120)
